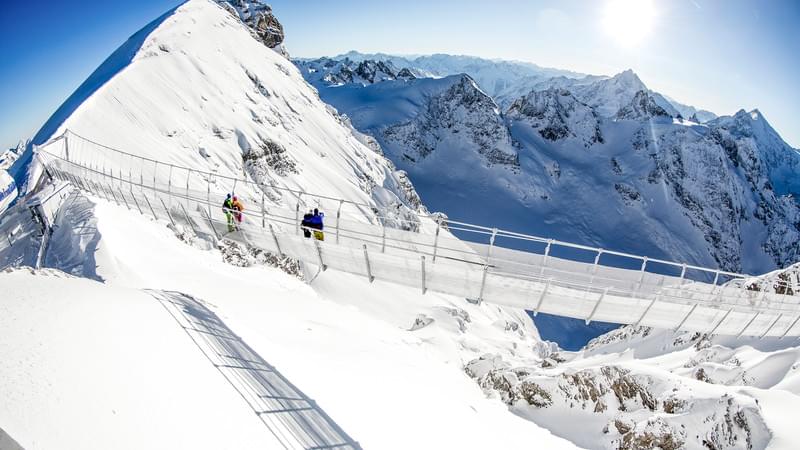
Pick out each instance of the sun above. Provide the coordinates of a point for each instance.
(629, 22)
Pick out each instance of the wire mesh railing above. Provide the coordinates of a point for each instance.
(430, 257)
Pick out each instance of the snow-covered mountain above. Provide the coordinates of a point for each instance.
(392, 366)
(326, 71)
(558, 115)
(716, 194)
(507, 81)
(10, 155)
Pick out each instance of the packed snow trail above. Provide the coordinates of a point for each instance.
(294, 419)
(560, 278)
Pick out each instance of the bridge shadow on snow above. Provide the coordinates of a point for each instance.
(294, 419)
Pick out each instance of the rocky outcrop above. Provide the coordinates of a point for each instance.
(641, 411)
(259, 18)
(462, 112)
(642, 107)
(557, 115)
(331, 72)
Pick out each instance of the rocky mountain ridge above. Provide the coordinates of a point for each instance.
(723, 179)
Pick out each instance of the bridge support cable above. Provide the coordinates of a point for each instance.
(725, 316)
(596, 305)
(685, 318)
(789, 328)
(755, 316)
(770, 326)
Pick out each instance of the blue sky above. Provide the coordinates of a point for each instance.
(722, 55)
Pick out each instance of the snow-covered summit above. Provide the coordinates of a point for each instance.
(609, 95)
(330, 72)
(199, 90)
(643, 106)
(557, 114)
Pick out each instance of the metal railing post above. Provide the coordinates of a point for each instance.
(338, 216)
(122, 194)
(594, 271)
(263, 213)
(167, 209)
(211, 222)
(541, 297)
(188, 219)
(369, 269)
(155, 216)
(436, 238)
(66, 144)
(319, 255)
(546, 255)
(112, 194)
(188, 176)
(486, 266)
(133, 196)
(422, 261)
(169, 188)
(297, 213)
(275, 238)
(641, 277)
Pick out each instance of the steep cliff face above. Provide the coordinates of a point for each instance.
(557, 115)
(643, 106)
(461, 114)
(325, 72)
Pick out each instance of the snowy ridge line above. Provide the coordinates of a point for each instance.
(295, 420)
(515, 278)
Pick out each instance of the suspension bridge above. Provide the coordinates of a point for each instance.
(548, 276)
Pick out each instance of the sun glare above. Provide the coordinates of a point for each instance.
(629, 22)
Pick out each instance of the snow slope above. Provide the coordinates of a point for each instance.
(200, 91)
(96, 365)
(345, 342)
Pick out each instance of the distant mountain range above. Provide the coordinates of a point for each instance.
(602, 161)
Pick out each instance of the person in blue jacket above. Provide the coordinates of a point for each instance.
(317, 225)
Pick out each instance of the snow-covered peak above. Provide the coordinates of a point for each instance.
(198, 90)
(332, 72)
(607, 96)
(751, 142)
(557, 115)
(642, 107)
